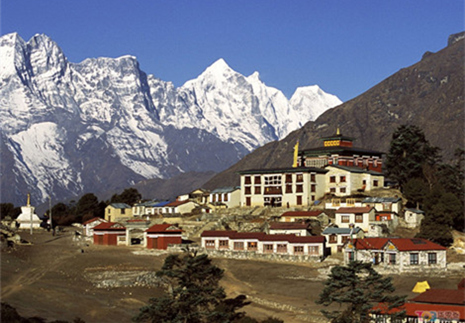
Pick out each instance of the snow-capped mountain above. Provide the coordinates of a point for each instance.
(69, 128)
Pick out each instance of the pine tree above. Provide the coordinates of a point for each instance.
(194, 294)
(129, 196)
(408, 153)
(357, 288)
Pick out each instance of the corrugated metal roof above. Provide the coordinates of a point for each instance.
(223, 190)
(415, 211)
(373, 199)
(120, 205)
(333, 230)
(161, 204)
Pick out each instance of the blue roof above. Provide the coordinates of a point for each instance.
(148, 203)
(333, 230)
(161, 204)
(120, 205)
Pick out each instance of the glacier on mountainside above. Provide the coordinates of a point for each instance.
(103, 123)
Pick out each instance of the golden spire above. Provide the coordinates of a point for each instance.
(296, 154)
(28, 199)
(338, 132)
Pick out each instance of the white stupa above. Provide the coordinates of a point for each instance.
(28, 218)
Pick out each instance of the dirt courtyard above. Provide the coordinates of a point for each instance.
(58, 278)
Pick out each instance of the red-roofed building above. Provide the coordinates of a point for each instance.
(88, 226)
(398, 254)
(159, 236)
(261, 243)
(109, 234)
(294, 216)
(433, 305)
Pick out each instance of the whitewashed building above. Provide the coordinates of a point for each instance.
(413, 217)
(397, 254)
(228, 197)
(293, 187)
(262, 243)
(347, 217)
(346, 180)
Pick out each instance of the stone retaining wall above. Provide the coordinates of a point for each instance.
(250, 255)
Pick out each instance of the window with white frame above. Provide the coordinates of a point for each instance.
(210, 244)
(314, 250)
(281, 248)
(392, 258)
(238, 245)
(414, 258)
(268, 248)
(298, 250)
(273, 180)
(252, 245)
(432, 258)
(224, 244)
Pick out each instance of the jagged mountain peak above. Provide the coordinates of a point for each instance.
(104, 123)
(217, 72)
(254, 77)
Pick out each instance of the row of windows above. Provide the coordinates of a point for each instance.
(277, 179)
(267, 247)
(342, 179)
(299, 188)
(432, 258)
(346, 218)
(220, 197)
(341, 190)
(392, 258)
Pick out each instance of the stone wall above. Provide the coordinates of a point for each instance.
(250, 255)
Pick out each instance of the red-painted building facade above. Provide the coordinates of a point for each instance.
(107, 233)
(159, 236)
(339, 150)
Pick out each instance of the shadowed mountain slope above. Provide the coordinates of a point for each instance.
(429, 94)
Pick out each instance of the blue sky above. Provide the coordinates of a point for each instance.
(345, 47)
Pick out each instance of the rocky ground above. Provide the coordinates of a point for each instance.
(57, 277)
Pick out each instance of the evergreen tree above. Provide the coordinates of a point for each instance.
(357, 288)
(194, 294)
(416, 190)
(129, 196)
(408, 153)
(88, 205)
(8, 209)
(443, 212)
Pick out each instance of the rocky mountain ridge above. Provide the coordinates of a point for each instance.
(70, 128)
